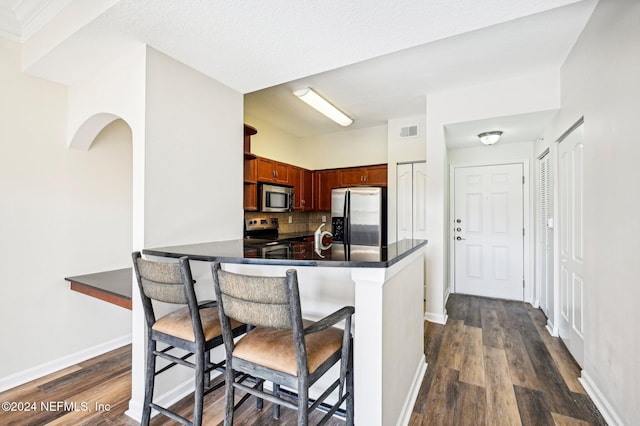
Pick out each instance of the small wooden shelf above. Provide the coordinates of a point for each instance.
(110, 286)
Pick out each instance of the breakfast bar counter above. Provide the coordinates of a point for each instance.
(386, 287)
(296, 253)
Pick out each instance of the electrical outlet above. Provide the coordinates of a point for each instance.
(290, 219)
(324, 218)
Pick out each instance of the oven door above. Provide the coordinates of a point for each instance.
(277, 250)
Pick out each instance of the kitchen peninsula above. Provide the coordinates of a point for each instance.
(386, 287)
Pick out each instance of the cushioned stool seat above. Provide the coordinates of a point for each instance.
(274, 348)
(178, 323)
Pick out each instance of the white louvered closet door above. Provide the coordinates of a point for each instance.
(544, 235)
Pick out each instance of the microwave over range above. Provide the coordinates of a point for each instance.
(276, 198)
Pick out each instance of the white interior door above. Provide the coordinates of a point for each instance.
(419, 200)
(488, 231)
(411, 194)
(571, 250)
(404, 206)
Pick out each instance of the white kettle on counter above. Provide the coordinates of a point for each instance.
(318, 236)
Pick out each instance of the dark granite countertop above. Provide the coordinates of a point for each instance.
(293, 253)
(295, 235)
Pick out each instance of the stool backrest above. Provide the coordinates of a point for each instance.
(259, 301)
(161, 281)
(168, 282)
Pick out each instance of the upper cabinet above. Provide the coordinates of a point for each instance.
(324, 182)
(302, 182)
(273, 171)
(364, 176)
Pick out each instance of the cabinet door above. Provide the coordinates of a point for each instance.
(266, 172)
(326, 180)
(281, 172)
(295, 180)
(307, 200)
(352, 176)
(376, 175)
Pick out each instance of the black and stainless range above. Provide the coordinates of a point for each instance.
(262, 233)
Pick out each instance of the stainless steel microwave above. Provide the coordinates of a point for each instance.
(276, 198)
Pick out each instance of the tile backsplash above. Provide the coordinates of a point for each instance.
(300, 221)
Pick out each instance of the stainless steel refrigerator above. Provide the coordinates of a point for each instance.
(359, 216)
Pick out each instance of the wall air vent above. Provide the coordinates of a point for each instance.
(409, 131)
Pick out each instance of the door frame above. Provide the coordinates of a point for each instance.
(527, 216)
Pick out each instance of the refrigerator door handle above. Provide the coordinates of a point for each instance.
(347, 219)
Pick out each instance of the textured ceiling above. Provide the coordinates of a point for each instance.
(376, 59)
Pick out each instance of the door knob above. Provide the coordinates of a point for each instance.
(458, 220)
(460, 238)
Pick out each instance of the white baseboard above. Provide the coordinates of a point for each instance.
(437, 318)
(52, 366)
(410, 402)
(550, 328)
(165, 400)
(598, 398)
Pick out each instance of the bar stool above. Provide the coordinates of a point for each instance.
(192, 330)
(283, 348)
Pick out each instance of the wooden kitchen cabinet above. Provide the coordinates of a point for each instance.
(364, 176)
(376, 175)
(312, 189)
(272, 171)
(308, 201)
(295, 180)
(324, 182)
(302, 182)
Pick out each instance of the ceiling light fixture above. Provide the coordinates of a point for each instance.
(489, 138)
(322, 105)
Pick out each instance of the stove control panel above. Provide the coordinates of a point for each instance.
(261, 223)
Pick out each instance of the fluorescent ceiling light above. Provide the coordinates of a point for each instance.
(489, 138)
(323, 106)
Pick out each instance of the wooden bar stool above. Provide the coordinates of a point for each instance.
(192, 330)
(283, 348)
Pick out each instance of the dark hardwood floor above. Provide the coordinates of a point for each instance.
(493, 363)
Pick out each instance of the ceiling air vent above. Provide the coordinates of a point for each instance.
(409, 131)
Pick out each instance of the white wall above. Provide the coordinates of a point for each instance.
(193, 154)
(346, 148)
(400, 150)
(498, 153)
(272, 142)
(532, 93)
(600, 82)
(62, 213)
